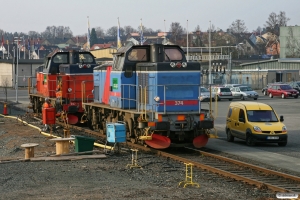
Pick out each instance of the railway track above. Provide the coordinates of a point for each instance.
(262, 178)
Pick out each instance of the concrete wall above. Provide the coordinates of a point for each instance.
(6, 75)
(26, 69)
(290, 42)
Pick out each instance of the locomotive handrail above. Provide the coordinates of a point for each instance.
(84, 96)
(30, 85)
(82, 91)
(52, 92)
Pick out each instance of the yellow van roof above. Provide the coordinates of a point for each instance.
(252, 105)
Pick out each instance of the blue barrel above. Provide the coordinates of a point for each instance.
(115, 132)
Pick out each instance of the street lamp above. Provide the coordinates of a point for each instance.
(238, 46)
(258, 69)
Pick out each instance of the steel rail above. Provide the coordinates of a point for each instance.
(240, 163)
(259, 184)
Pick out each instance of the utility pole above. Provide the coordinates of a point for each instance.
(209, 50)
(187, 39)
(230, 75)
(17, 39)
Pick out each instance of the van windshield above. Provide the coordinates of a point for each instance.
(261, 116)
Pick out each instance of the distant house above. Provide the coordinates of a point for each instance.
(273, 48)
(101, 46)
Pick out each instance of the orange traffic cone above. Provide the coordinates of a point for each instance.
(5, 109)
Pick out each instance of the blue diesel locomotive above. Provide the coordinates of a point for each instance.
(155, 92)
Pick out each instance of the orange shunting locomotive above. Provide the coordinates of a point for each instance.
(60, 78)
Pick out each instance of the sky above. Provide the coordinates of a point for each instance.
(36, 15)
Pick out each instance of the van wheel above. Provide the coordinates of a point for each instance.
(282, 144)
(270, 95)
(265, 93)
(282, 96)
(242, 97)
(250, 140)
(230, 138)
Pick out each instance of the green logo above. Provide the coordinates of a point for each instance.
(115, 83)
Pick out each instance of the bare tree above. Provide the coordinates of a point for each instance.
(113, 31)
(275, 21)
(145, 29)
(129, 29)
(99, 32)
(258, 30)
(5, 85)
(67, 32)
(197, 28)
(33, 34)
(176, 31)
(238, 26)
(57, 32)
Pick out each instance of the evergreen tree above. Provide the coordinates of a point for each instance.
(93, 38)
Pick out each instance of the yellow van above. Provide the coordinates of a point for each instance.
(256, 123)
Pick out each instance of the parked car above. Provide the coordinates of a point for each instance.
(265, 89)
(232, 85)
(244, 92)
(295, 85)
(205, 94)
(221, 92)
(282, 90)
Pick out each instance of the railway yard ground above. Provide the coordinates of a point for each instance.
(108, 177)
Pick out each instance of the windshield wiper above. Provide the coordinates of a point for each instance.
(168, 56)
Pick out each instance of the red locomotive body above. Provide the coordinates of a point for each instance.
(60, 79)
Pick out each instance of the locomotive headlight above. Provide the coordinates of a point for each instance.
(172, 64)
(93, 91)
(156, 98)
(80, 66)
(184, 64)
(69, 89)
(88, 66)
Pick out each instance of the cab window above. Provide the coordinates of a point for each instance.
(138, 55)
(60, 58)
(172, 54)
(85, 58)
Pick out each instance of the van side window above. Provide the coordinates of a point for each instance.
(229, 112)
(241, 115)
